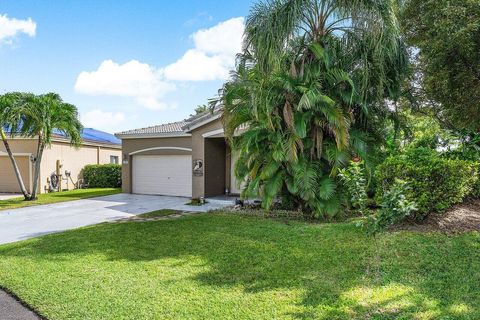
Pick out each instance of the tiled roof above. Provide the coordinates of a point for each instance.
(175, 127)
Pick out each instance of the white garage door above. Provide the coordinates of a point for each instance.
(162, 175)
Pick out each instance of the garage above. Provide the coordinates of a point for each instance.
(8, 179)
(169, 175)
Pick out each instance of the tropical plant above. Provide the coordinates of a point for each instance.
(10, 118)
(309, 93)
(200, 109)
(40, 116)
(395, 207)
(354, 179)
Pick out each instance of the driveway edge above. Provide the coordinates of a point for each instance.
(16, 304)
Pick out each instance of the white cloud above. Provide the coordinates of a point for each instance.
(213, 56)
(224, 38)
(198, 66)
(132, 79)
(107, 121)
(11, 27)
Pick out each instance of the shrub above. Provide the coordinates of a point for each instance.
(469, 151)
(395, 207)
(103, 176)
(436, 183)
(353, 177)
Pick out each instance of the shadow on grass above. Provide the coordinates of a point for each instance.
(340, 272)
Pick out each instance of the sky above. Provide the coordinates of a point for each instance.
(125, 64)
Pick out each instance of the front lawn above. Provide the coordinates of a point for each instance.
(217, 266)
(55, 197)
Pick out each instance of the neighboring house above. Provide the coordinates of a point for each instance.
(189, 158)
(97, 148)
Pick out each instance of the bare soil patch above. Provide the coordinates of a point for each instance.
(464, 217)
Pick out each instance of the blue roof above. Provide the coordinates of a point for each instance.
(99, 136)
(94, 135)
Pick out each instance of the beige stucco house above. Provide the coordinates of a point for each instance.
(97, 148)
(188, 158)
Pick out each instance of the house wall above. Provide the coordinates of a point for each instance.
(130, 146)
(19, 145)
(198, 152)
(8, 179)
(74, 160)
(105, 153)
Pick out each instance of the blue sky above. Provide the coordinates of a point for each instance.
(124, 64)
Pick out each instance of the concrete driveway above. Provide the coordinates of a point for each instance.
(30, 222)
(7, 196)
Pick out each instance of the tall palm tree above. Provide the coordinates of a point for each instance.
(311, 87)
(43, 115)
(10, 120)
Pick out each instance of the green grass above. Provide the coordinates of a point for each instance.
(217, 266)
(158, 213)
(55, 197)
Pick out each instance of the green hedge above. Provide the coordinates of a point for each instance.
(103, 176)
(435, 183)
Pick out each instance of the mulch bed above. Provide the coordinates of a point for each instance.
(461, 218)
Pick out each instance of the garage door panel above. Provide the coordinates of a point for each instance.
(8, 179)
(162, 175)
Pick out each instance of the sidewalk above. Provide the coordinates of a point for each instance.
(11, 309)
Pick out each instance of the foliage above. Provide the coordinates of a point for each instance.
(444, 35)
(217, 266)
(395, 207)
(103, 175)
(436, 183)
(469, 149)
(200, 109)
(56, 197)
(9, 119)
(309, 94)
(39, 117)
(355, 181)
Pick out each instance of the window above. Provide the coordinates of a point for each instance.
(113, 159)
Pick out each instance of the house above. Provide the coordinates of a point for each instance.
(188, 158)
(97, 147)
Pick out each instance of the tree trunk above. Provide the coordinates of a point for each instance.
(26, 195)
(38, 161)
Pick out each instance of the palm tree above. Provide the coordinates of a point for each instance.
(311, 87)
(10, 120)
(43, 115)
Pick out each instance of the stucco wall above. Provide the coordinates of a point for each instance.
(73, 160)
(20, 146)
(130, 146)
